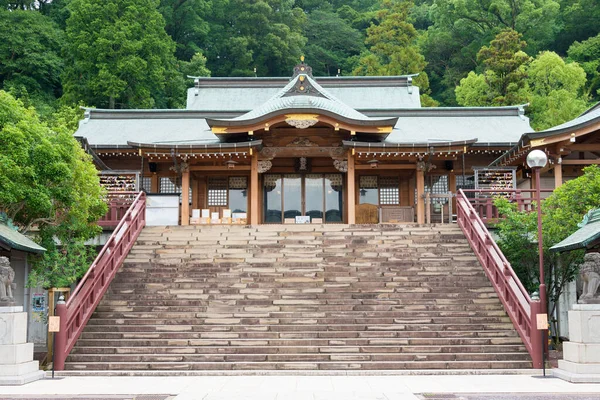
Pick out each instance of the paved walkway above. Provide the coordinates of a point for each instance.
(403, 387)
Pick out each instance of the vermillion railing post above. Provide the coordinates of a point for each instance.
(60, 345)
(535, 336)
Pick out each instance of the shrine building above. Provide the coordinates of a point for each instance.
(303, 149)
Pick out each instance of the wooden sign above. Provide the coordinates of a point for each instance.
(53, 324)
(542, 322)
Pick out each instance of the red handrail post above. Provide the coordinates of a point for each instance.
(535, 335)
(61, 338)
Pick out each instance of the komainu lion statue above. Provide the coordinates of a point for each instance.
(590, 276)
(7, 277)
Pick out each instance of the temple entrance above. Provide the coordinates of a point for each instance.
(316, 196)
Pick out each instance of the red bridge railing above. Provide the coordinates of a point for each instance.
(482, 201)
(517, 303)
(118, 204)
(75, 314)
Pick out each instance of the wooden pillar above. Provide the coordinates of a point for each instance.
(420, 200)
(452, 188)
(185, 197)
(254, 190)
(195, 197)
(351, 190)
(154, 185)
(558, 179)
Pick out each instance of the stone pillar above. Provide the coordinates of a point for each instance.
(17, 366)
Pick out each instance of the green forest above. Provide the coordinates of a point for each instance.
(138, 53)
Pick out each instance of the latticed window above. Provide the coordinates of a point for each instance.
(437, 184)
(389, 192)
(170, 184)
(147, 184)
(217, 191)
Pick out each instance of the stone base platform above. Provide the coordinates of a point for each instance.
(581, 355)
(17, 366)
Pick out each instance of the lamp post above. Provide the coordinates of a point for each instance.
(537, 160)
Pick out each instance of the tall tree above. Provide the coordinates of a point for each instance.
(393, 49)
(47, 180)
(587, 54)
(30, 61)
(457, 29)
(332, 42)
(578, 21)
(262, 34)
(503, 80)
(118, 55)
(555, 90)
(186, 23)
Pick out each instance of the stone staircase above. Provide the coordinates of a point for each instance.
(300, 297)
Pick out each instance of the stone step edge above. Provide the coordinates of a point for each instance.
(432, 372)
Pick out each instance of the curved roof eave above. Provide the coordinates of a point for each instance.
(237, 145)
(265, 117)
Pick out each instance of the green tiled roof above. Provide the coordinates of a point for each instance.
(588, 234)
(15, 240)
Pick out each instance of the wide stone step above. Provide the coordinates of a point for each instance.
(272, 312)
(285, 357)
(290, 365)
(470, 346)
(270, 322)
(443, 339)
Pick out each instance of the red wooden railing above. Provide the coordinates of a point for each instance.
(482, 201)
(118, 204)
(84, 299)
(517, 303)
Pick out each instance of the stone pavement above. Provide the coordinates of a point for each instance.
(289, 387)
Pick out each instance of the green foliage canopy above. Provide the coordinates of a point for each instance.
(119, 55)
(47, 181)
(30, 59)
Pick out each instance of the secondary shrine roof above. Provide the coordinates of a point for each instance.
(12, 239)
(587, 236)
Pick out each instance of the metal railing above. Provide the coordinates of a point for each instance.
(517, 303)
(75, 314)
(482, 201)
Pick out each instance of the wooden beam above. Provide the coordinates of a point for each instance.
(185, 197)
(350, 189)
(219, 168)
(558, 179)
(386, 166)
(585, 147)
(254, 190)
(580, 162)
(420, 200)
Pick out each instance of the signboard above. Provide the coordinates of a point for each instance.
(53, 324)
(38, 303)
(542, 322)
(303, 219)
